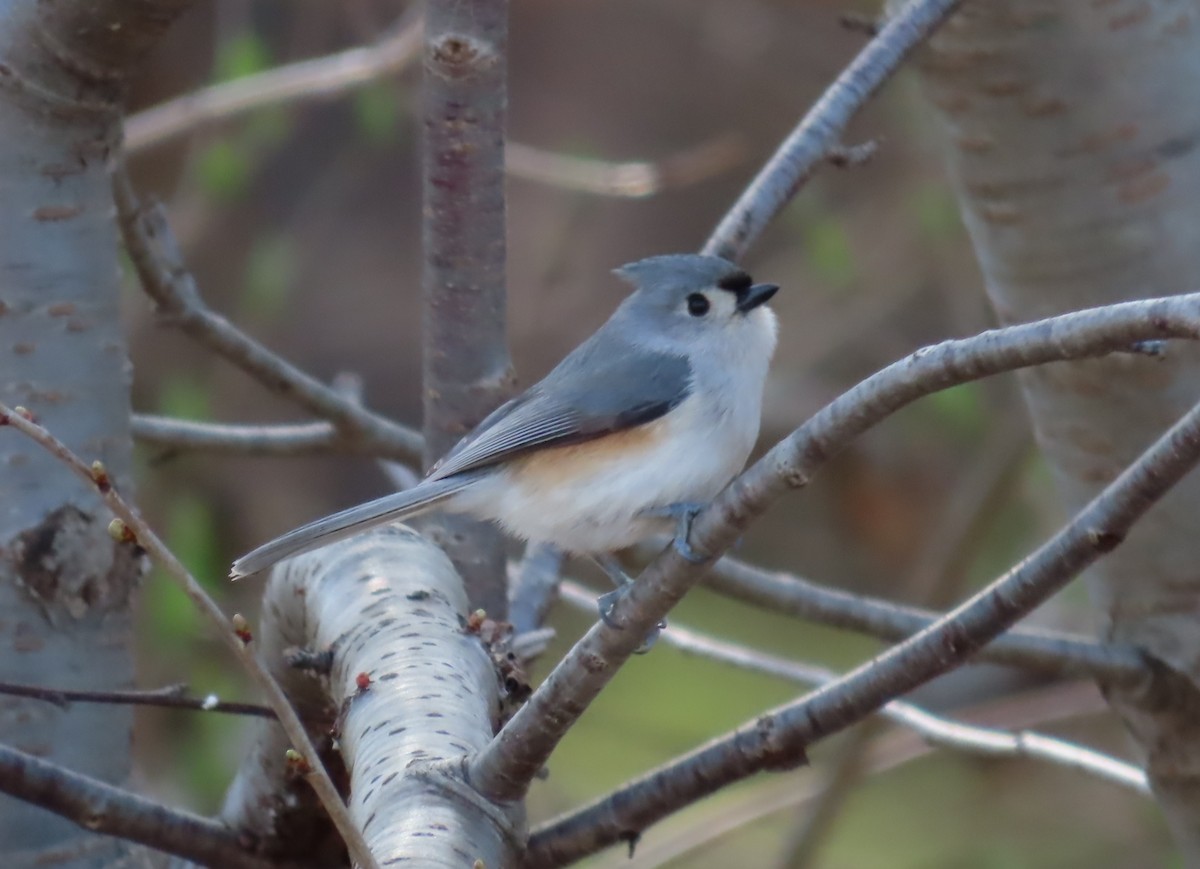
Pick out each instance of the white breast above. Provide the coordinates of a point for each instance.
(590, 498)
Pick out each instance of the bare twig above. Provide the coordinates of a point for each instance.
(159, 264)
(938, 730)
(1048, 652)
(845, 156)
(821, 129)
(778, 738)
(103, 808)
(1044, 651)
(505, 768)
(321, 78)
(283, 439)
(635, 179)
(134, 529)
(170, 697)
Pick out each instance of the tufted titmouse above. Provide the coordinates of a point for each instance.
(641, 424)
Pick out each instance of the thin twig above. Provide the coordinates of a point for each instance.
(778, 738)
(320, 78)
(506, 767)
(151, 247)
(102, 808)
(136, 531)
(1048, 652)
(283, 439)
(940, 731)
(636, 179)
(821, 129)
(170, 697)
(1044, 651)
(335, 75)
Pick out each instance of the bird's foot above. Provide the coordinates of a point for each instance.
(683, 513)
(606, 603)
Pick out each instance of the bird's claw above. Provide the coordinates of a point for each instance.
(683, 513)
(607, 602)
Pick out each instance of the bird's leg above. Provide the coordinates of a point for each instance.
(683, 513)
(606, 602)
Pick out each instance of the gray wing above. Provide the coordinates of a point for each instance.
(597, 390)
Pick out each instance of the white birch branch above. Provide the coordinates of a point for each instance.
(413, 691)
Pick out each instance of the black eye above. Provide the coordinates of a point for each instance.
(697, 305)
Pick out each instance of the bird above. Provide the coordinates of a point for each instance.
(629, 436)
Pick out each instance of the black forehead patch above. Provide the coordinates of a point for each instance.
(736, 282)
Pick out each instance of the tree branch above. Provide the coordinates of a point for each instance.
(505, 768)
(633, 179)
(821, 130)
(132, 529)
(284, 439)
(103, 808)
(1048, 652)
(940, 731)
(155, 255)
(778, 739)
(320, 78)
(170, 697)
(334, 75)
(466, 366)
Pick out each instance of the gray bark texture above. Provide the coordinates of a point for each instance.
(1072, 129)
(409, 693)
(65, 587)
(467, 367)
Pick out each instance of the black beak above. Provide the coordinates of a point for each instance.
(751, 298)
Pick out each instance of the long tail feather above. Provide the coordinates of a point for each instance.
(347, 523)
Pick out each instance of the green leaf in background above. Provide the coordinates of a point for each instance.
(270, 275)
(827, 250)
(959, 410)
(935, 211)
(377, 112)
(268, 127)
(184, 398)
(224, 169)
(241, 55)
(191, 535)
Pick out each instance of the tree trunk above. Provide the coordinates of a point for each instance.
(65, 587)
(467, 368)
(1072, 130)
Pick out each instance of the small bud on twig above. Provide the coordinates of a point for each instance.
(121, 532)
(100, 476)
(297, 763)
(241, 628)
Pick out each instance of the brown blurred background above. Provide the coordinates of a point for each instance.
(302, 224)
